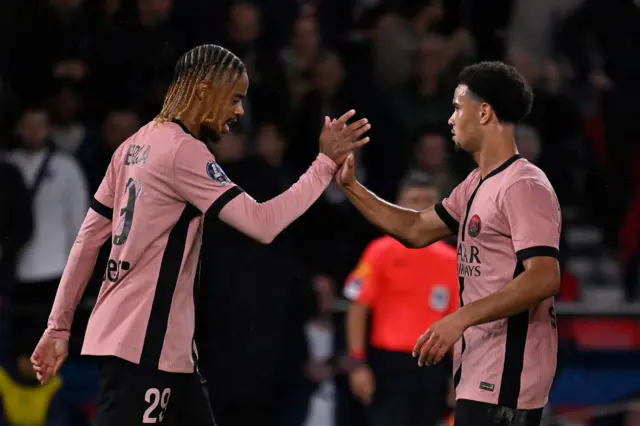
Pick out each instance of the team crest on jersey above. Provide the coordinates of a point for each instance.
(439, 300)
(215, 172)
(475, 225)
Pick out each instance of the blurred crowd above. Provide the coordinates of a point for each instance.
(78, 77)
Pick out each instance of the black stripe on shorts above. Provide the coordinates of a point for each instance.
(165, 287)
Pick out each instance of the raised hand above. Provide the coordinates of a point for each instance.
(48, 357)
(346, 175)
(338, 140)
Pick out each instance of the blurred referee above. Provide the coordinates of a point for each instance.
(406, 290)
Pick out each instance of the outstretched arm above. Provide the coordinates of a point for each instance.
(264, 221)
(202, 182)
(412, 228)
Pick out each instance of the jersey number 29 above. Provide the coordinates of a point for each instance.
(154, 398)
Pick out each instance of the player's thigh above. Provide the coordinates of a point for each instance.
(131, 395)
(194, 405)
(473, 413)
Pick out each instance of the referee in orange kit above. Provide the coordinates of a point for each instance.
(406, 291)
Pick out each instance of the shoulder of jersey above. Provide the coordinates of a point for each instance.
(524, 169)
(473, 174)
(472, 177)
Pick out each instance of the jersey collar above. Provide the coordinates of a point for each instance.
(502, 167)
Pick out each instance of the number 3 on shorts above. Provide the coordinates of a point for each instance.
(154, 398)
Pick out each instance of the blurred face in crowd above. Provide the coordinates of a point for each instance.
(431, 12)
(430, 58)
(64, 106)
(431, 152)
(154, 11)
(524, 63)
(33, 129)
(118, 127)
(305, 38)
(467, 119)
(328, 75)
(110, 7)
(270, 144)
(418, 197)
(244, 25)
(222, 106)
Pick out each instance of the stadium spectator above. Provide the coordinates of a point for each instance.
(431, 158)
(59, 200)
(16, 222)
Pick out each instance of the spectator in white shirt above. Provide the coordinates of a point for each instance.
(59, 200)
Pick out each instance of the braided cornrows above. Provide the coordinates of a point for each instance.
(205, 62)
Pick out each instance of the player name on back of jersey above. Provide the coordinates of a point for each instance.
(468, 260)
(137, 155)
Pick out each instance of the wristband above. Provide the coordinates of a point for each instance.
(358, 354)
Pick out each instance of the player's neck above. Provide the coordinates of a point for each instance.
(495, 150)
(190, 122)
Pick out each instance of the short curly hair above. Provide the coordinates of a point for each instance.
(502, 87)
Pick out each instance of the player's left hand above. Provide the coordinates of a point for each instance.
(434, 343)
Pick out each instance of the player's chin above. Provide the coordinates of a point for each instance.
(459, 143)
(211, 135)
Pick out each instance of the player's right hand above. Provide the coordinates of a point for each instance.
(346, 175)
(362, 384)
(48, 357)
(337, 139)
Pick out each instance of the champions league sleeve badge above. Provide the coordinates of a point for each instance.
(215, 172)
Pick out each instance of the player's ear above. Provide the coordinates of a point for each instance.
(485, 113)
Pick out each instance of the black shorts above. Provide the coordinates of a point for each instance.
(474, 413)
(136, 395)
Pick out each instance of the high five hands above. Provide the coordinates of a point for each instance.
(346, 174)
(338, 140)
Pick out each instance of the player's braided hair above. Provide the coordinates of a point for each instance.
(207, 62)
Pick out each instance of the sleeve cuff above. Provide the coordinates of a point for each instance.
(217, 206)
(444, 215)
(326, 161)
(101, 209)
(537, 251)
